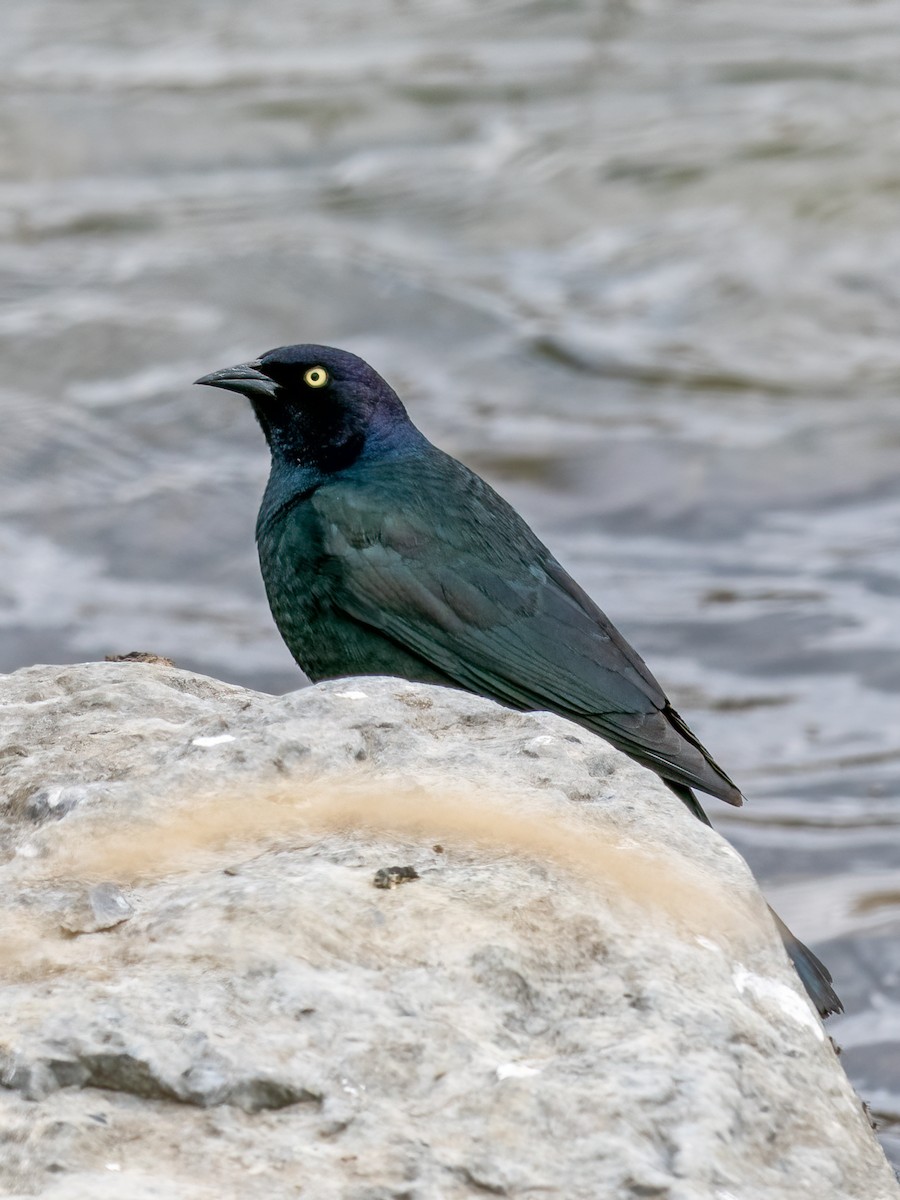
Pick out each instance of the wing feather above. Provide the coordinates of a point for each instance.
(474, 592)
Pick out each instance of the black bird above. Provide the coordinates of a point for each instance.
(382, 555)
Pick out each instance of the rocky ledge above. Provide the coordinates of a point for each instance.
(378, 941)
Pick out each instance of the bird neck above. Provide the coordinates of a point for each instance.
(287, 486)
(295, 476)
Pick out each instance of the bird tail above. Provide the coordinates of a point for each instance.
(814, 975)
(687, 797)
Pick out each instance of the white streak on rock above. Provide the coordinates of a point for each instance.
(708, 944)
(516, 1070)
(780, 995)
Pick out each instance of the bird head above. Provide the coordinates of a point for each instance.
(318, 407)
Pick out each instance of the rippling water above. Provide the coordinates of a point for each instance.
(638, 262)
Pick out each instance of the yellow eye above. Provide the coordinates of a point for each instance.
(316, 377)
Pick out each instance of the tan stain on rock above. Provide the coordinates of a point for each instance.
(191, 834)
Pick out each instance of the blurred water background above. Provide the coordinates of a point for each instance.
(637, 261)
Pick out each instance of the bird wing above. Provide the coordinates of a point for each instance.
(467, 586)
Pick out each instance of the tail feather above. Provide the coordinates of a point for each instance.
(814, 975)
(687, 797)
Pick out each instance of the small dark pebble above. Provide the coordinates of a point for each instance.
(141, 656)
(438, 849)
(391, 877)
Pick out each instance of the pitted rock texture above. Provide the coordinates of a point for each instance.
(577, 992)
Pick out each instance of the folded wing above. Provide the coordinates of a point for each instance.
(472, 590)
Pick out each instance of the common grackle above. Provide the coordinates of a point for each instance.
(382, 555)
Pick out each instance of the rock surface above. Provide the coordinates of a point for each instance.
(563, 986)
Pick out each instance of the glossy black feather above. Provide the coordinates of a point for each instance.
(465, 585)
(382, 555)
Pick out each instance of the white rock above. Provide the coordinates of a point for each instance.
(580, 996)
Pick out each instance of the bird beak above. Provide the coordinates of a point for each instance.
(245, 378)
